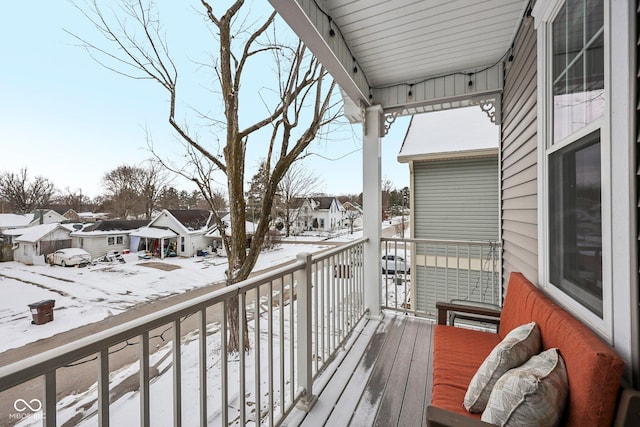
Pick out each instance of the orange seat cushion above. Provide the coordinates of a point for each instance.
(457, 355)
(593, 368)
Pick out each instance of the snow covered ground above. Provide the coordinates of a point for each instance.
(90, 294)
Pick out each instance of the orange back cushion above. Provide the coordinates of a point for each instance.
(594, 370)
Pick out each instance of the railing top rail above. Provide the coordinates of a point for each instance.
(329, 253)
(39, 364)
(436, 241)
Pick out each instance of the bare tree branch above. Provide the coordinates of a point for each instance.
(298, 104)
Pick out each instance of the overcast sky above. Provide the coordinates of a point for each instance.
(70, 120)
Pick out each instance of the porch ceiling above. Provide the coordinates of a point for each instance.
(405, 54)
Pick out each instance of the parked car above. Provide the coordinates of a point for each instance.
(394, 263)
(69, 256)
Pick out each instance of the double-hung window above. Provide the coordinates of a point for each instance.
(574, 145)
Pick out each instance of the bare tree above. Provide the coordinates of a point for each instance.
(352, 214)
(24, 194)
(298, 105)
(149, 183)
(297, 182)
(136, 190)
(121, 187)
(72, 199)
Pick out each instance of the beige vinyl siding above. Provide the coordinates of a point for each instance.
(519, 159)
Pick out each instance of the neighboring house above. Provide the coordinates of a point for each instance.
(190, 228)
(291, 220)
(9, 223)
(328, 213)
(33, 246)
(302, 216)
(46, 216)
(71, 215)
(105, 236)
(92, 217)
(217, 243)
(352, 214)
(455, 196)
(322, 213)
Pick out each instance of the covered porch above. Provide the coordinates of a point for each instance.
(352, 359)
(158, 242)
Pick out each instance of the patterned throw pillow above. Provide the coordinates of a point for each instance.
(533, 394)
(515, 349)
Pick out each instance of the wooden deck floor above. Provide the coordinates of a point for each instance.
(383, 378)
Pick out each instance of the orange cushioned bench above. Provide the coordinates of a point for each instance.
(593, 369)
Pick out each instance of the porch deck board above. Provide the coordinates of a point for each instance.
(384, 379)
(395, 386)
(417, 394)
(341, 379)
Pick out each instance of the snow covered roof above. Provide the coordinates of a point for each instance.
(153, 233)
(459, 132)
(249, 226)
(15, 231)
(93, 215)
(37, 232)
(14, 220)
(113, 226)
(192, 219)
(323, 202)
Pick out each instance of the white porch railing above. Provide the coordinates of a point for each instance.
(298, 316)
(440, 270)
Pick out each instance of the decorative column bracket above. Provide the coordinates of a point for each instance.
(389, 119)
(491, 108)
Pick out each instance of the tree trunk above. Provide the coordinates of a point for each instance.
(233, 319)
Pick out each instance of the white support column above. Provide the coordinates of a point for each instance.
(372, 206)
(305, 333)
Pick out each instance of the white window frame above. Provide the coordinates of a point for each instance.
(544, 12)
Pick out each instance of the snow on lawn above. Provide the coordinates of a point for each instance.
(90, 294)
(81, 407)
(127, 408)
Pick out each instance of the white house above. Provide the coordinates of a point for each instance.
(38, 241)
(46, 216)
(92, 216)
(322, 213)
(189, 228)
(105, 236)
(9, 221)
(216, 240)
(352, 214)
